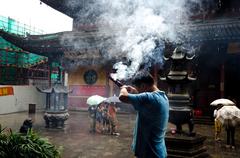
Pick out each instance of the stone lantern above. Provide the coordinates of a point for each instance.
(182, 144)
(178, 79)
(56, 112)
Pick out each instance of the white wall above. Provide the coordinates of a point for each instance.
(23, 96)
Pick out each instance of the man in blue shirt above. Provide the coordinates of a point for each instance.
(153, 111)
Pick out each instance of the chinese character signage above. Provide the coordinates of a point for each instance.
(6, 91)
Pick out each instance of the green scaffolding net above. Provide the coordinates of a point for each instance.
(11, 55)
(10, 25)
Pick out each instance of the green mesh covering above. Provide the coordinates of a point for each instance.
(10, 25)
(11, 55)
(54, 76)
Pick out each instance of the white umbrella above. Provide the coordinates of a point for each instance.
(222, 101)
(229, 115)
(95, 100)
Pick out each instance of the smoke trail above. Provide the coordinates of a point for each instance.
(139, 28)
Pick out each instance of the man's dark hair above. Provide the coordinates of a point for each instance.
(141, 77)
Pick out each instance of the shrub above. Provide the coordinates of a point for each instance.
(17, 145)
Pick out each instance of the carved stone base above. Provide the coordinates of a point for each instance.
(183, 146)
(55, 119)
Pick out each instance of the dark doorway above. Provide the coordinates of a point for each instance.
(232, 77)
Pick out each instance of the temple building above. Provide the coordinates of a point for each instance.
(215, 33)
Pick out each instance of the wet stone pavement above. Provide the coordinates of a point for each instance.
(77, 142)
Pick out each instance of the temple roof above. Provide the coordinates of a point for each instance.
(215, 30)
(62, 6)
(77, 43)
(55, 43)
(75, 8)
(81, 45)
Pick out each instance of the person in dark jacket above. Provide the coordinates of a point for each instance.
(26, 126)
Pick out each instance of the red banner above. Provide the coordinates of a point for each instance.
(6, 91)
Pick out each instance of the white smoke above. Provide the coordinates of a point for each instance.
(139, 28)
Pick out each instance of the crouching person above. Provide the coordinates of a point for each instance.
(26, 126)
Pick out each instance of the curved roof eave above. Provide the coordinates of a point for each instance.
(61, 6)
(57, 43)
(29, 45)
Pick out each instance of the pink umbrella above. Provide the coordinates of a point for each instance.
(229, 115)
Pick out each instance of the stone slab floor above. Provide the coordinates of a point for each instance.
(77, 142)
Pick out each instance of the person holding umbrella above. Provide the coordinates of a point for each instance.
(105, 119)
(92, 117)
(93, 102)
(230, 136)
(217, 123)
(112, 113)
(229, 116)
